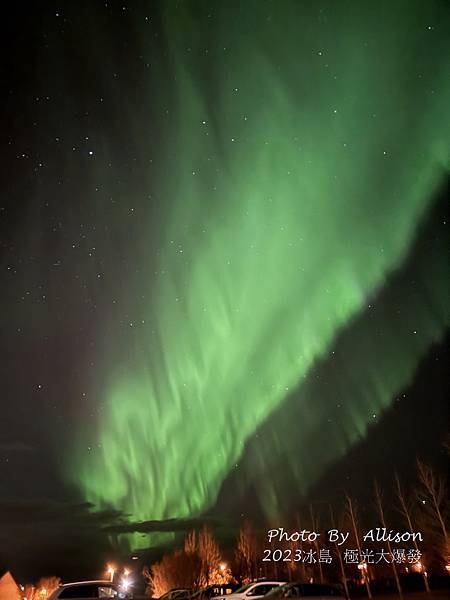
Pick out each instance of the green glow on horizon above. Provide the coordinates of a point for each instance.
(297, 167)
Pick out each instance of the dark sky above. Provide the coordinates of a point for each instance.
(84, 151)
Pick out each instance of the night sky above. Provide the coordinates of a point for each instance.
(224, 265)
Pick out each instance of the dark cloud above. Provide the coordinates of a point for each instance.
(167, 525)
(74, 541)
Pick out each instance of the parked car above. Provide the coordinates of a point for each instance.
(84, 590)
(175, 593)
(318, 591)
(256, 589)
(214, 591)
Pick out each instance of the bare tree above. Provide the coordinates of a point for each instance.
(380, 509)
(300, 546)
(405, 510)
(352, 514)
(315, 527)
(42, 590)
(435, 489)
(292, 565)
(45, 586)
(213, 570)
(246, 552)
(175, 570)
(433, 495)
(191, 543)
(338, 552)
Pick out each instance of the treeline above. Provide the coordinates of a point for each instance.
(423, 508)
(198, 564)
(42, 590)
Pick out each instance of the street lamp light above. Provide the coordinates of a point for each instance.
(111, 570)
(418, 567)
(125, 584)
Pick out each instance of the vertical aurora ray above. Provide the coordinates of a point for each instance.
(372, 362)
(297, 164)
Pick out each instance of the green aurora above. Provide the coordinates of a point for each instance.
(300, 148)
